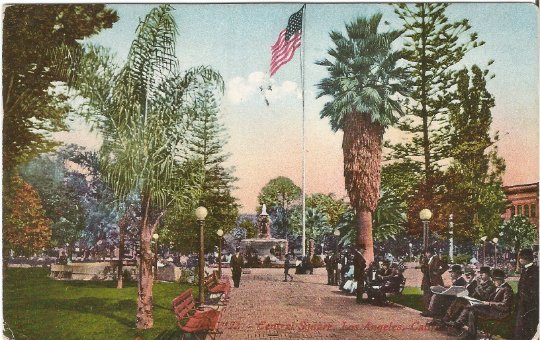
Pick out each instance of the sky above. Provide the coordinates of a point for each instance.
(266, 140)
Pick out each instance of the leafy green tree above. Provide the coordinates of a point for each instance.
(518, 233)
(476, 170)
(143, 110)
(280, 194)
(327, 204)
(433, 46)
(25, 228)
(31, 112)
(363, 79)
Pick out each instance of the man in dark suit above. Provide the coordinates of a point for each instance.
(432, 269)
(527, 297)
(359, 273)
(471, 281)
(440, 303)
(499, 306)
(237, 263)
(328, 262)
(286, 267)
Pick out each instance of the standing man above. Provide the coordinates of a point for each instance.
(286, 267)
(336, 266)
(329, 267)
(527, 297)
(359, 273)
(237, 263)
(432, 269)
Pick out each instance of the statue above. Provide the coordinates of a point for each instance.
(263, 223)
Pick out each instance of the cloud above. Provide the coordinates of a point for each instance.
(240, 89)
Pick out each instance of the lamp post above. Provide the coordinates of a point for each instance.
(451, 233)
(201, 213)
(484, 238)
(495, 241)
(220, 234)
(425, 216)
(410, 251)
(336, 234)
(281, 247)
(155, 237)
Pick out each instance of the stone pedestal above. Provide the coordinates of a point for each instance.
(262, 246)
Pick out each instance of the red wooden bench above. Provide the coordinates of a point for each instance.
(193, 320)
(220, 288)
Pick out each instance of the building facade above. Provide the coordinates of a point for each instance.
(522, 200)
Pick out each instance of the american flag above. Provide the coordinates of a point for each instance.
(288, 41)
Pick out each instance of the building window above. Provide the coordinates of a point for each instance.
(526, 212)
(519, 210)
(533, 209)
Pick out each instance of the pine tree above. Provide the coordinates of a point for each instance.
(432, 48)
(207, 141)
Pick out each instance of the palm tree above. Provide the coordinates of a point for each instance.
(363, 81)
(143, 111)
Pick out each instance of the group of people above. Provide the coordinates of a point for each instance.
(457, 308)
(350, 272)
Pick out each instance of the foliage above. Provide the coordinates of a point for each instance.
(518, 233)
(317, 261)
(267, 263)
(25, 230)
(328, 205)
(206, 144)
(249, 226)
(31, 112)
(432, 48)
(280, 194)
(143, 110)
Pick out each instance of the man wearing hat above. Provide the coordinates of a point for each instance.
(237, 263)
(432, 269)
(328, 261)
(527, 297)
(499, 306)
(472, 283)
(359, 272)
(440, 302)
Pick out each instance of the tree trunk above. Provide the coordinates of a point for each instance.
(362, 155)
(364, 234)
(121, 228)
(145, 319)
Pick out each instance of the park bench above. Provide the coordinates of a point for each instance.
(217, 289)
(197, 321)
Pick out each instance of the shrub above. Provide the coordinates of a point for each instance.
(267, 263)
(317, 261)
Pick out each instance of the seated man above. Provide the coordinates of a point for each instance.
(499, 306)
(388, 284)
(483, 288)
(440, 301)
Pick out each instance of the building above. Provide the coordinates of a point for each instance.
(522, 200)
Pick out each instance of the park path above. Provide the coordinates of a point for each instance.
(265, 307)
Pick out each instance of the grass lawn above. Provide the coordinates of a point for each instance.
(412, 297)
(37, 307)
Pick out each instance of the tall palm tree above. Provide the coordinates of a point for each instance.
(143, 111)
(363, 82)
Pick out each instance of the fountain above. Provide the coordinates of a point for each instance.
(264, 241)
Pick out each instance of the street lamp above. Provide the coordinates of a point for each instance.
(336, 234)
(483, 239)
(410, 251)
(495, 241)
(425, 216)
(451, 232)
(155, 237)
(220, 234)
(201, 213)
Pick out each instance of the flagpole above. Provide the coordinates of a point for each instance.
(302, 52)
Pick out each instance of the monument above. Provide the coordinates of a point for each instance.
(264, 242)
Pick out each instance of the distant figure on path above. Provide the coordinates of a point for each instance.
(527, 297)
(329, 267)
(237, 263)
(286, 267)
